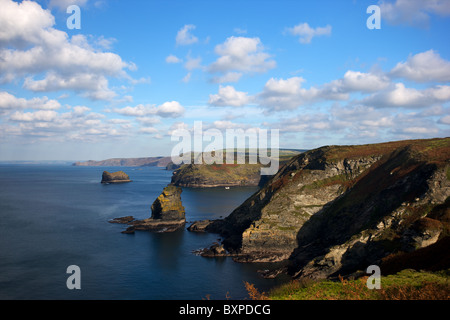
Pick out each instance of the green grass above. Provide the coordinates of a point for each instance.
(405, 285)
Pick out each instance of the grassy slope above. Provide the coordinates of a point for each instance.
(405, 285)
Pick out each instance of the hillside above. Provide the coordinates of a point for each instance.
(127, 162)
(337, 209)
(225, 175)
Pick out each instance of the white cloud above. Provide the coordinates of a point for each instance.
(228, 96)
(227, 77)
(137, 111)
(79, 123)
(413, 12)
(286, 94)
(362, 82)
(306, 33)
(173, 59)
(171, 109)
(88, 84)
(149, 130)
(10, 102)
(241, 54)
(41, 115)
(400, 96)
(184, 35)
(423, 67)
(445, 120)
(31, 46)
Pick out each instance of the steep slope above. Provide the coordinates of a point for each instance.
(337, 209)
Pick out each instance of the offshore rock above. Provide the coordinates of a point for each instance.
(168, 214)
(168, 206)
(115, 177)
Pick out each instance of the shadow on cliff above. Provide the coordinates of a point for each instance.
(394, 179)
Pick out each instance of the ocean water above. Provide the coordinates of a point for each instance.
(54, 216)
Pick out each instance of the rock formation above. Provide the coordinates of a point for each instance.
(337, 209)
(115, 177)
(200, 175)
(168, 214)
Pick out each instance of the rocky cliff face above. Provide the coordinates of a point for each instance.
(338, 209)
(201, 175)
(222, 175)
(168, 206)
(168, 214)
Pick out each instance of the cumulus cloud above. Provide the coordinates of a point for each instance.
(445, 120)
(79, 124)
(288, 94)
(30, 46)
(227, 77)
(228, 96)
(359, 81)
(173, 59)
(285, 94)
(184, 35)
(426, 66)
(399, 95)
(88, 84)
(413, 12)
(307, 33)
(41, 115)
(241, 54)
(11, 102)
(170, 109)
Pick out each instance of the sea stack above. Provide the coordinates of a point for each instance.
(115, 177)
(168, 213)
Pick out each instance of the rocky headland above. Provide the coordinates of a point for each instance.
(200, 175)
(115, 177)
(168, 214)
(338, 209)
(127, 162)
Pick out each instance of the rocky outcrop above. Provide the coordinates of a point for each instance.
(223, 175)
(168, 214)
(201, 175)
(168, 206)
(115, 177)
(338, 209)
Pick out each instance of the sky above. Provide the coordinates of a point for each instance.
(136, 71)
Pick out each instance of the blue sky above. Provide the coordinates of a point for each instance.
(138, 70)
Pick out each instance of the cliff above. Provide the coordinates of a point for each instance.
(337, 209)
(115, 177)
(224, 175)
(168, 214)
(127, 162)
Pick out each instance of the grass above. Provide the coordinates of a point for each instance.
(405, 285)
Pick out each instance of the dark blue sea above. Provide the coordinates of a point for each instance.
(54, 216)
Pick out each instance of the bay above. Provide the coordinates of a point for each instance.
(54, 216)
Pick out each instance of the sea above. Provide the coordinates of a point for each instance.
(56, 216)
